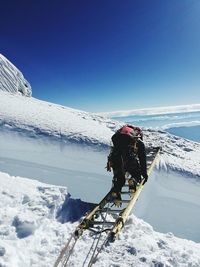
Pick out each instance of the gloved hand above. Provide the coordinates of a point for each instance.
(145, 179)
(108, 166)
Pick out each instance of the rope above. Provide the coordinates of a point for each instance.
(93, 254)
(59, 259)
(94, 258)
(99, 232)
(70, 253)
(90, 250)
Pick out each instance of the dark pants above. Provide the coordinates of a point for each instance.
(122, 163)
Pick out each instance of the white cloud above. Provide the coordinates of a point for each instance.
(153, 111)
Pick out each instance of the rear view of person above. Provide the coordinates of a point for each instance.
(127, 155)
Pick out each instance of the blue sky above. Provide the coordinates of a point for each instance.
(105, 55)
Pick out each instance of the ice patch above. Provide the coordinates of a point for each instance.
(11, 79)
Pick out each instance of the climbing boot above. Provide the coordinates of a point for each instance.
(116, 198)
(132, 185)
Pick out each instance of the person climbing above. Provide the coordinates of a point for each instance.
(127, 155)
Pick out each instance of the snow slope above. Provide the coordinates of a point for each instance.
(11, 79)
(40, 117)
(36, 117)
(31, 232)
(31, 213)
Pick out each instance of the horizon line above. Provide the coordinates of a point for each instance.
(152, 111)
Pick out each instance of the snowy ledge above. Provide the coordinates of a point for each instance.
(32, 217)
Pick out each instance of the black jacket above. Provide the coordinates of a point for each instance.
(123, 143)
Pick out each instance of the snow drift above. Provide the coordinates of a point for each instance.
(11, 79)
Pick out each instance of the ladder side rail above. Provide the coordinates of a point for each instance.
(124, 215)
(84, 224)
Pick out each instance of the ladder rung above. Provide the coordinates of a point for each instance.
(126, 192)
(125, 200)
(122, 201)
(102, 222)
(112, 211)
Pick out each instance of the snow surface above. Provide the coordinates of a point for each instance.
(165, 199)
(32, 214)
(32, 232)
(11, 79)
(56, 162)
(40, 117)
(30, 221)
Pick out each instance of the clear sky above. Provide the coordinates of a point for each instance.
(105, 55)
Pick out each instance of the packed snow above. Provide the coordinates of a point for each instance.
(31, 216)
(36, 219)
(11, 79)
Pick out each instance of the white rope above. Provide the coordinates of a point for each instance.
(90, 250)
(70, 253)
(63, 252)
(93, 254)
